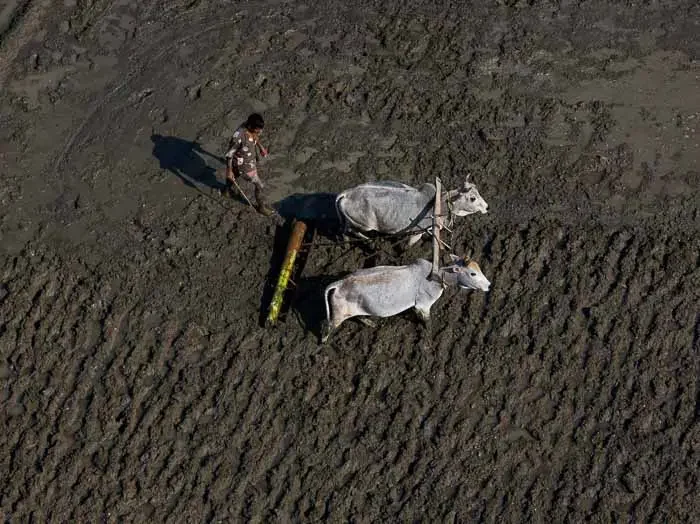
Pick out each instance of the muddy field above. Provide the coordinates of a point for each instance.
(137, 381)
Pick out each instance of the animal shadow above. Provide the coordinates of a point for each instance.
(316, 209)
(309, 303)
(186, 160)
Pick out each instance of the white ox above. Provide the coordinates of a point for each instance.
(385, 291)
(392, 207)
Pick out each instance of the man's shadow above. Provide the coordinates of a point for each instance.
(185, 159)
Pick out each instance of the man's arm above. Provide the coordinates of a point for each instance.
(233, 146)
(263, 151)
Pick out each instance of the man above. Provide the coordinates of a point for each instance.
(241, 160)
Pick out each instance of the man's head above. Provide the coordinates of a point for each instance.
(255, 123)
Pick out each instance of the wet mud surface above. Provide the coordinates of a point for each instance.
(137, 381)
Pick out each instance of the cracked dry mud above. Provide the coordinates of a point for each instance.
(137, 383)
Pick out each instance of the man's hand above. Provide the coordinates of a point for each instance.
(229, 172)
(263, 151)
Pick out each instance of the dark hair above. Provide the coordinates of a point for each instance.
(255, 121)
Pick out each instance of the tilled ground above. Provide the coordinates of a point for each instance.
(137, 383)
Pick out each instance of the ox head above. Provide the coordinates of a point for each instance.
(467, 200)
(468, 273)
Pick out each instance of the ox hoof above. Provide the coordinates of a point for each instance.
(425, 320)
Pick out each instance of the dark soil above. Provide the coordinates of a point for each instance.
(137, 381)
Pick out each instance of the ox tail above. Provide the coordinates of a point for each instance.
(344, 223)
(326, 295)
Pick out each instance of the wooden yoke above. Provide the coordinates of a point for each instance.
(437, 225)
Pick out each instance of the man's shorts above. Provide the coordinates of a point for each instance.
(250, 175)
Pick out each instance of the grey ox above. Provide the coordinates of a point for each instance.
(392, 207)
(385, 291)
